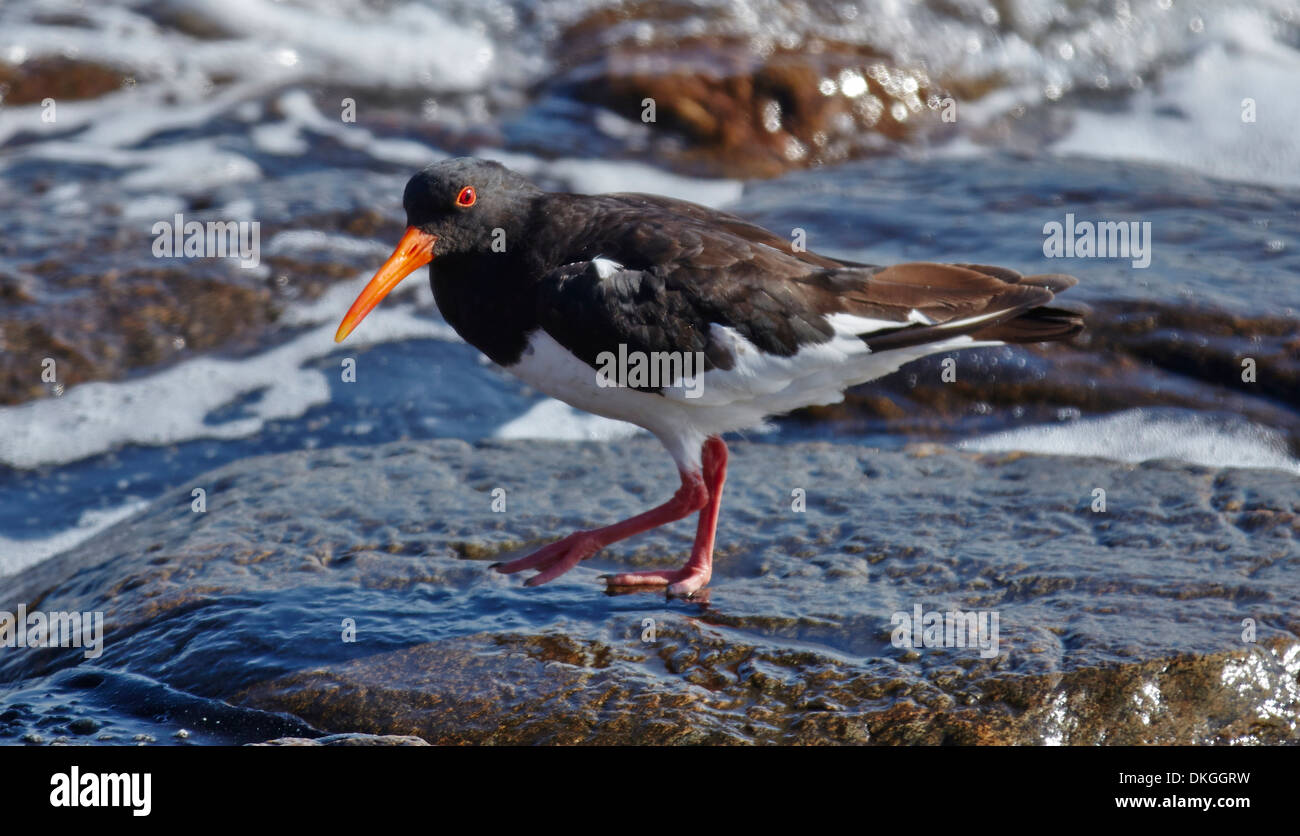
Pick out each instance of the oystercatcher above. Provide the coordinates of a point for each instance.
(587, 297)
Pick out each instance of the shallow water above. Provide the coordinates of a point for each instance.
(218, 622)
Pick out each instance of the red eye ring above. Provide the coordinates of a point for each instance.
(466, 197)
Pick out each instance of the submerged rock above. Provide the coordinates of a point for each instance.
(61, 79)
(347, 591)
(747, 114)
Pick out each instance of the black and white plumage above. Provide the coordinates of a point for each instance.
(546, 284)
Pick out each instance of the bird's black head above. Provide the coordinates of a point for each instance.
(469, 205)
(463, 205)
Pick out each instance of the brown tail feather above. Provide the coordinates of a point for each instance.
(1011, 302)
(1035, 325)
(1055, 282)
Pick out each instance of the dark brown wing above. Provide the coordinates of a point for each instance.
(731, 224)
(655, 274)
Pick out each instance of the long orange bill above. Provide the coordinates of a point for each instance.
(413, 252)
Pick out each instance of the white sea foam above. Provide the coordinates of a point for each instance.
(1193, 116)
(310, 240)
(599, 176)
(1138, 435)
(377, 43)
(557, 421)
(301, 115)
(1188, 115)
(18, 554)
(170, 406)
(182, 167)
(273, 45)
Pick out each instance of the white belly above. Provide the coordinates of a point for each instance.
(757, 386)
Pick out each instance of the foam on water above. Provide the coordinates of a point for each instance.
(301, 115)
(173, 405)
(1184, 68)
(298, 241)
(16, 555)
(1193, 116)
(271, 46)
(1139, 435)
(358, 43)
(600, 176)
(377, 43)
(557, 421)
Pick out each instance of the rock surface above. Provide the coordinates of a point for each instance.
(1117, 627)
(61, 79)
(348, 740)
(745, 114)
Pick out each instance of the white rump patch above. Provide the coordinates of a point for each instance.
(605, 267)
(848, 325)
(760, 384)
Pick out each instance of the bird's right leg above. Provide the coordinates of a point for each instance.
(692, 577)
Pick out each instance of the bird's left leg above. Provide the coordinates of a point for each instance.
(562, 555)
(696, 573)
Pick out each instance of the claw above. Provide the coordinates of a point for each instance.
(553, 560)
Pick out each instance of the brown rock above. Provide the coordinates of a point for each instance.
(56, 78)
(746, 111)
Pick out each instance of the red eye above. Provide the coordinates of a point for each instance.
(466, 197)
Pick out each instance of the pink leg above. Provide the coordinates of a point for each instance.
(562, 555)
(692, 577)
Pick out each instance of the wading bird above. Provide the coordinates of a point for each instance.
(547, 284)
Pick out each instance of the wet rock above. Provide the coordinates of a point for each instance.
(331, 590)
(56, 78)
(745, 110)
(348, 740)
(83, 725)
(1205, 344)
(101, 324)
(127, 320)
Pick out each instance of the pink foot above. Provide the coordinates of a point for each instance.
(684, 582)
(553, 560)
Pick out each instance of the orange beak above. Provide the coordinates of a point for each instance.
(413, 252)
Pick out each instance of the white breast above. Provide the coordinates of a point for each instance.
(549, 367)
